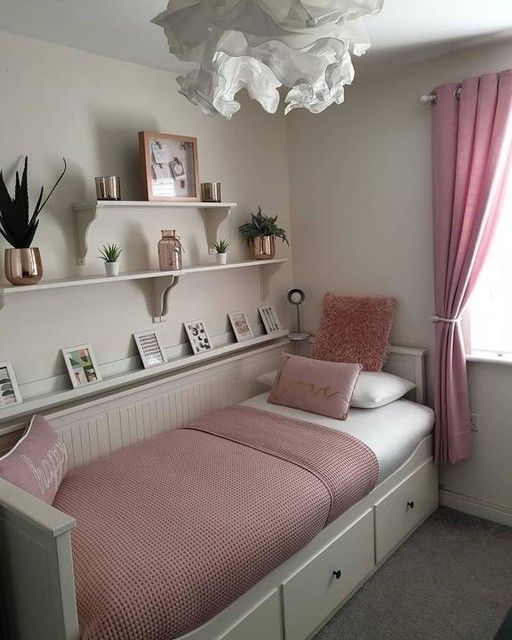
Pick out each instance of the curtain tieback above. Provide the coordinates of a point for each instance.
(448, 320)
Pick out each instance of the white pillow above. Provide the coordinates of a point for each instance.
(372, 390)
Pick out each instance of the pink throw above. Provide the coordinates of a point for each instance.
(172, 530)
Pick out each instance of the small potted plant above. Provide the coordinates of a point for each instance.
(110, 254)
(261, 233)
(22, 263)
(221, 251)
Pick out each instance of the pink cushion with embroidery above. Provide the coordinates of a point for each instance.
(355, 329)
(38, 461)
(319, 387)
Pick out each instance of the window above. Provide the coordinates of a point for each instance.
(490, 312)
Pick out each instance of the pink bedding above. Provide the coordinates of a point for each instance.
(172, 530)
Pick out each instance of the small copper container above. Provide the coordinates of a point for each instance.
(108, 188)
(23, 266)
(210, 192)
(264, 247)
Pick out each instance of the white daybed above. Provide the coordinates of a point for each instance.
(293, 601)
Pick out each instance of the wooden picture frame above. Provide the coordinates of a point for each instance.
(150, 349)
(82, 366)
(9, 389)
(169, 167)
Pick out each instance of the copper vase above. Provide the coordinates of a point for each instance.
(264, 247)
(23, 266)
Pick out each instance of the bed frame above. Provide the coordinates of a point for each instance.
(295, 600)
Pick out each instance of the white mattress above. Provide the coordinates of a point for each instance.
(392, 432)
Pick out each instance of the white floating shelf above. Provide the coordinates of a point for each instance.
(163, 281)
(134, 275)
(87, 212)
(58, 398)
(142, 204)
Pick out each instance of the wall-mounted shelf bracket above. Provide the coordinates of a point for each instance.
(161, 288)
(212, 220)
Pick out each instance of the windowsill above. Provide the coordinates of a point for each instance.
(484, 356)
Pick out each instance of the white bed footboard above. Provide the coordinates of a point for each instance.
(36, 576)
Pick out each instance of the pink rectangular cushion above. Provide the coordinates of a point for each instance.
(319, 387)
(355, 329)
(38, 461)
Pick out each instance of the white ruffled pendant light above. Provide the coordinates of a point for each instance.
(260, 45)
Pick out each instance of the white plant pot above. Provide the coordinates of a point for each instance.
(222, 258)
(112, 268)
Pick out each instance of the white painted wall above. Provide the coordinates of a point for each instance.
(360, 184)
(56, 101)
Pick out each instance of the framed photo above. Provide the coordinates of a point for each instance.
(9, 390)
(169, 167)
(198, 336)
(82, 365)
(241, 326)
(269, 319)
(150, 349)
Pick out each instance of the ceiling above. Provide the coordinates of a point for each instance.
(122, 28)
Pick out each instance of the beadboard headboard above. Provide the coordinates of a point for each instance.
(103, 425)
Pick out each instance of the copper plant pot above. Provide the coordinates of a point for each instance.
(264, 247)
(23, 266)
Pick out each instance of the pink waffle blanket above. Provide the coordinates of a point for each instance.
(172, 530)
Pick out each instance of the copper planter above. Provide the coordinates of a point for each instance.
(23, 266)
(264, 247)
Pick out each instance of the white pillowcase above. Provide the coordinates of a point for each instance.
(372, 390)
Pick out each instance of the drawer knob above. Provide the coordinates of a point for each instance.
(337, 574)
(410, 505)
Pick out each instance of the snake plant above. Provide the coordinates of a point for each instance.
(17, 226)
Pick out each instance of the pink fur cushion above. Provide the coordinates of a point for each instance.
(319, 387)
(38, 461)
(355, 329)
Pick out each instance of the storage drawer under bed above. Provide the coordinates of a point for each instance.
(404, 508)
(320, 586)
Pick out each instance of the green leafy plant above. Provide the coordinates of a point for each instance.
(221, 246)
(110, 252)
(16, 224)
(262, 225)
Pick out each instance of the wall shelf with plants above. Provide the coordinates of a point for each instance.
(87, 213)
(162, 281)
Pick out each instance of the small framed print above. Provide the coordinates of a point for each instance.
(198, 336)
(169, 167)
(150, 349)
(269, 318)
(82, 365)
(241, 326)
(9, 390)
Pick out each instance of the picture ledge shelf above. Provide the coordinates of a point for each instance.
(162, 281)
(86, 213)
(62, 397)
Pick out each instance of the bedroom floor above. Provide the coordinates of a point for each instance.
(451, 580)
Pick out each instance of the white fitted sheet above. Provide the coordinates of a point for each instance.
(392, 432)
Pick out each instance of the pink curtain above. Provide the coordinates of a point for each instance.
(472, 140)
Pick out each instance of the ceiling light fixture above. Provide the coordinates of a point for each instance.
(260, 45)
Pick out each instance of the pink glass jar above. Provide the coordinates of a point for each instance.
(169, 251)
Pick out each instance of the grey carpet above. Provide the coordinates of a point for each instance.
(451, 580)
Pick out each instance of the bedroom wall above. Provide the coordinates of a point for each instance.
(57, 102)
(360, 199)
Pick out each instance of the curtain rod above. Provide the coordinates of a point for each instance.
(431, 98)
